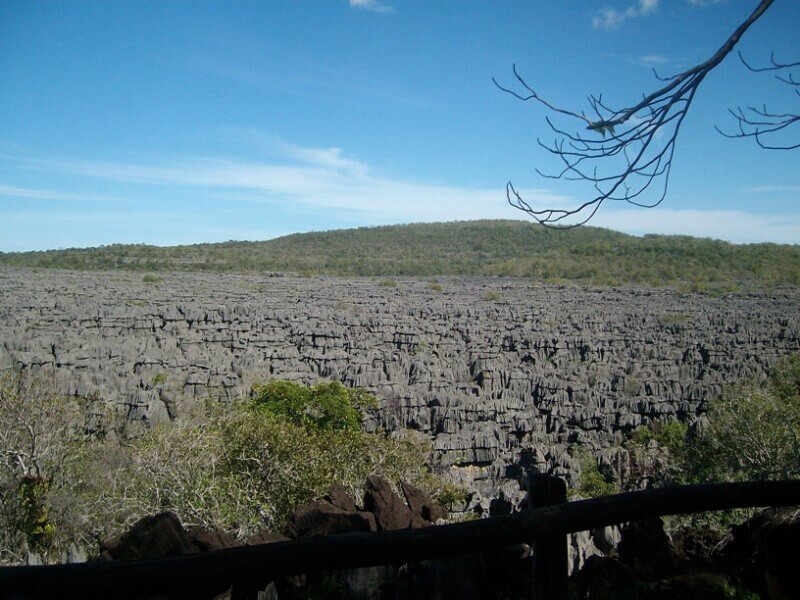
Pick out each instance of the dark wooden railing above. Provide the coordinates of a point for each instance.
(252, 567)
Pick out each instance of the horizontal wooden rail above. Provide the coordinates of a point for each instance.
(251, 566)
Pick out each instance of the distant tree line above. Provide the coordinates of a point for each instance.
(470, 248)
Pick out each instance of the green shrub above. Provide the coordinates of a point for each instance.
(40, 433)
(672, 435)
(669, 434)
(241, 467)
(149, 278)
(324, 406)
(291, 464)
(752, 432)
(749, 433)
(391, 283)
(592, 483)
(492, 296)
(451, 496)
(434, 286)
(657, 452)
(785, 378)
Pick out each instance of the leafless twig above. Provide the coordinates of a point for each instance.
(761, 123)
(638, 141)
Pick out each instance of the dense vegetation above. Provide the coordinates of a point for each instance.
(504, 248)
(243, 467)
(749, 433)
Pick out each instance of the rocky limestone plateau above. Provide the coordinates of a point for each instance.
(504, 375)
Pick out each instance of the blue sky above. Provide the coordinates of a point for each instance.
(181, 122)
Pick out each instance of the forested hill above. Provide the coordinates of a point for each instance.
(507, 248)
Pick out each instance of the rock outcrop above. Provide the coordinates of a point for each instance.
(502, 386)
(323, 518)
(155, 536)
(757, 558)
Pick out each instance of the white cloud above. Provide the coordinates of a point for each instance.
(371, 5)
(764, 189)
(37, 194)
(321, 178)
(324, 181)
(321, 157)
(653, 59)
(731, 225)
(611, 18)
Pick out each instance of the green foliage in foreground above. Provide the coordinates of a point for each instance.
(503, 248)
(749, 433)
(752, 433)
(698, 586)
(242, 467)
(592, 483)
(326, 406)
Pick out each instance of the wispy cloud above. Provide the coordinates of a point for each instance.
(38, 194)
(732, 225)
(371, 5)
(321, 178)
(653, 59)
(762, 189)
(64, 229)
(611, 18)
(331, 157)
(326, 182)
(308, 81)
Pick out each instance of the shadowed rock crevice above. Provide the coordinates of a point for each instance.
(496, 371)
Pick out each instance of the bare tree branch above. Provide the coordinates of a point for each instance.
(638, 141)
(762, 124)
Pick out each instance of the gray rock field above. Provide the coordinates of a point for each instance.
(500, 384)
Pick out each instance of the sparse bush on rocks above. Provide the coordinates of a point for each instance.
(592, 483)
(40, 435)
(749, 433)
(492, 296)
(242, 467)
(326, 406)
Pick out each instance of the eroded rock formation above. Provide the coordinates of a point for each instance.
(502, 374)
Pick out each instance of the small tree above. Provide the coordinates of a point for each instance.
(39, 435)
(751, 432)
(327, 406)
(242, 467)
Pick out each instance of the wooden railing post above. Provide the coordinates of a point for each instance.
(196, 574)
(550, 552)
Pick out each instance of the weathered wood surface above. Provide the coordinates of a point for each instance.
(549, 552)
(201, 574)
